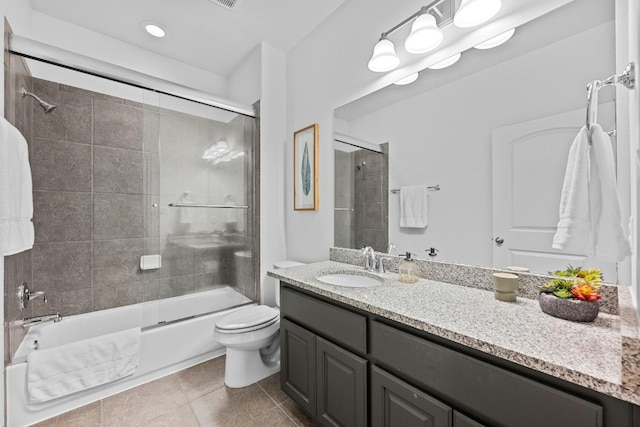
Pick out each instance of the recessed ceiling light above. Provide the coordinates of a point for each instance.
(155, 30)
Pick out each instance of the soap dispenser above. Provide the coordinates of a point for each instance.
(408, 270)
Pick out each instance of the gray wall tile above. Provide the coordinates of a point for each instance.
(116, 296)
(116, 262)
(61, 266)
(61, 166)
(117, 216)
(117, 171)
(117, 125)
(62, 216)
(71, 121)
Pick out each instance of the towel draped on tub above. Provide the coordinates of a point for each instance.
(69, 368)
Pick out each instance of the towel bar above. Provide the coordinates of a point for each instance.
(430, 188)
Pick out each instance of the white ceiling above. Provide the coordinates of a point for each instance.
(199, 32)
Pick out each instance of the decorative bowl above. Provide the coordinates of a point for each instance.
(569, 309)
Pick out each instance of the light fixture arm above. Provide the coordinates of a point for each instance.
(424, 9)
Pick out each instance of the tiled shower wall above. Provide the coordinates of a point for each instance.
(95, 165)
(361, 214)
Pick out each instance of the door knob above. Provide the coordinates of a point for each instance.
(499, 240)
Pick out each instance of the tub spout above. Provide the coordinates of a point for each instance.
(36, 320)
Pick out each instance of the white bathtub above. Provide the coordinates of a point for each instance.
(165, 348)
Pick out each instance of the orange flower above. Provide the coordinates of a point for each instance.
(585, 292)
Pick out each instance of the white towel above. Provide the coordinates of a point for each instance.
(16, 199)
(574, 234)
(611, 240)
(185, 215)
(413, 206)
(69, 368)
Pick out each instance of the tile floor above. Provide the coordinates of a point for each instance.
(194, 397)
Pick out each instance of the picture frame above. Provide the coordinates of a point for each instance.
(305, 169)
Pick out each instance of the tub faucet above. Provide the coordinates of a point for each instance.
(370, 258)
(36, 320)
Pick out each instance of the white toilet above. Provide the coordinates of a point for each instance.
(251, 336)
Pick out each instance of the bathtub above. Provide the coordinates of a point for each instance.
(177, 333)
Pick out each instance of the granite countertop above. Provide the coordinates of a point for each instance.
(603, 355)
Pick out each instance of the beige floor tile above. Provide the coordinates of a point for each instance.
(141, 404)
(274, 418)
(202, 378)
(272, 386)
(297, 414)
(182, 417)
(228, 407)
(86, 416)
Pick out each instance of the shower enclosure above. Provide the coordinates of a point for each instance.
(361, 192)
(139, 195)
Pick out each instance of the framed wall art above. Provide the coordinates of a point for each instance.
(305, 169)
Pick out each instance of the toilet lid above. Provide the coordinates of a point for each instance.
(249, 317)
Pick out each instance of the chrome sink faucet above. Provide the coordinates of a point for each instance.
(370, 258)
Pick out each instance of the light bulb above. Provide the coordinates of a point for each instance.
(475, 12)
(155, 30)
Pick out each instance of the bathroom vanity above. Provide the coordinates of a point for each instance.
(439, 354)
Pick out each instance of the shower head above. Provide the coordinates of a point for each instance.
(361, 165)
(45, 105)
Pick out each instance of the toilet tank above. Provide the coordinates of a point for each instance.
(283, 264)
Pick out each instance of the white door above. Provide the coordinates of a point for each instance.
(529, 161)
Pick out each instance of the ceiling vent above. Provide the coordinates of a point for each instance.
(227, 4)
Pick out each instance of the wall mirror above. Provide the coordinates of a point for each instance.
(493, 132)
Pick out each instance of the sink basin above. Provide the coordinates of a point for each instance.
(350, 280)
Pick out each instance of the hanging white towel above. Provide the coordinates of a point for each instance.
(185, 215)
(16, 199)
(611, 240)
(69, 368)
(574, 232)
(413, 206)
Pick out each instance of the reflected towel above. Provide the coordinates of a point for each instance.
(185, 215)
(16, 200)
(574, 233)
(413, 206)
(69, 368)
(611, 240)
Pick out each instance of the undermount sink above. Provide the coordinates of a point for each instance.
(351, 280)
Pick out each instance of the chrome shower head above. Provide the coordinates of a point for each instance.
(45, 105)
(361, 165)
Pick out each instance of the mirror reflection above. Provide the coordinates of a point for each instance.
(493, 131)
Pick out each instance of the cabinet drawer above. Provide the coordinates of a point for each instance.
(497, 396)
(338, 325)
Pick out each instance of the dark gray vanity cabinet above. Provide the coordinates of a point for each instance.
(396, 403)
(323, 367)
(347, 367)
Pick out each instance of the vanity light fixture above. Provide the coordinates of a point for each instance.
(407, 80)
(497, 40)
(475, 12)
(446, 62)
(424, 36)
(154, 29)
(426, 33)
(384, 56)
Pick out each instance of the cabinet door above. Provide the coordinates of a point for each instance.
(342, 386)
(460, 420)
(298, 365)
(395, 403)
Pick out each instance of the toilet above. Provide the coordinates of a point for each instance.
(251, 335)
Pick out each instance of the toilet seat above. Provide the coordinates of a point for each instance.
(248, 319)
